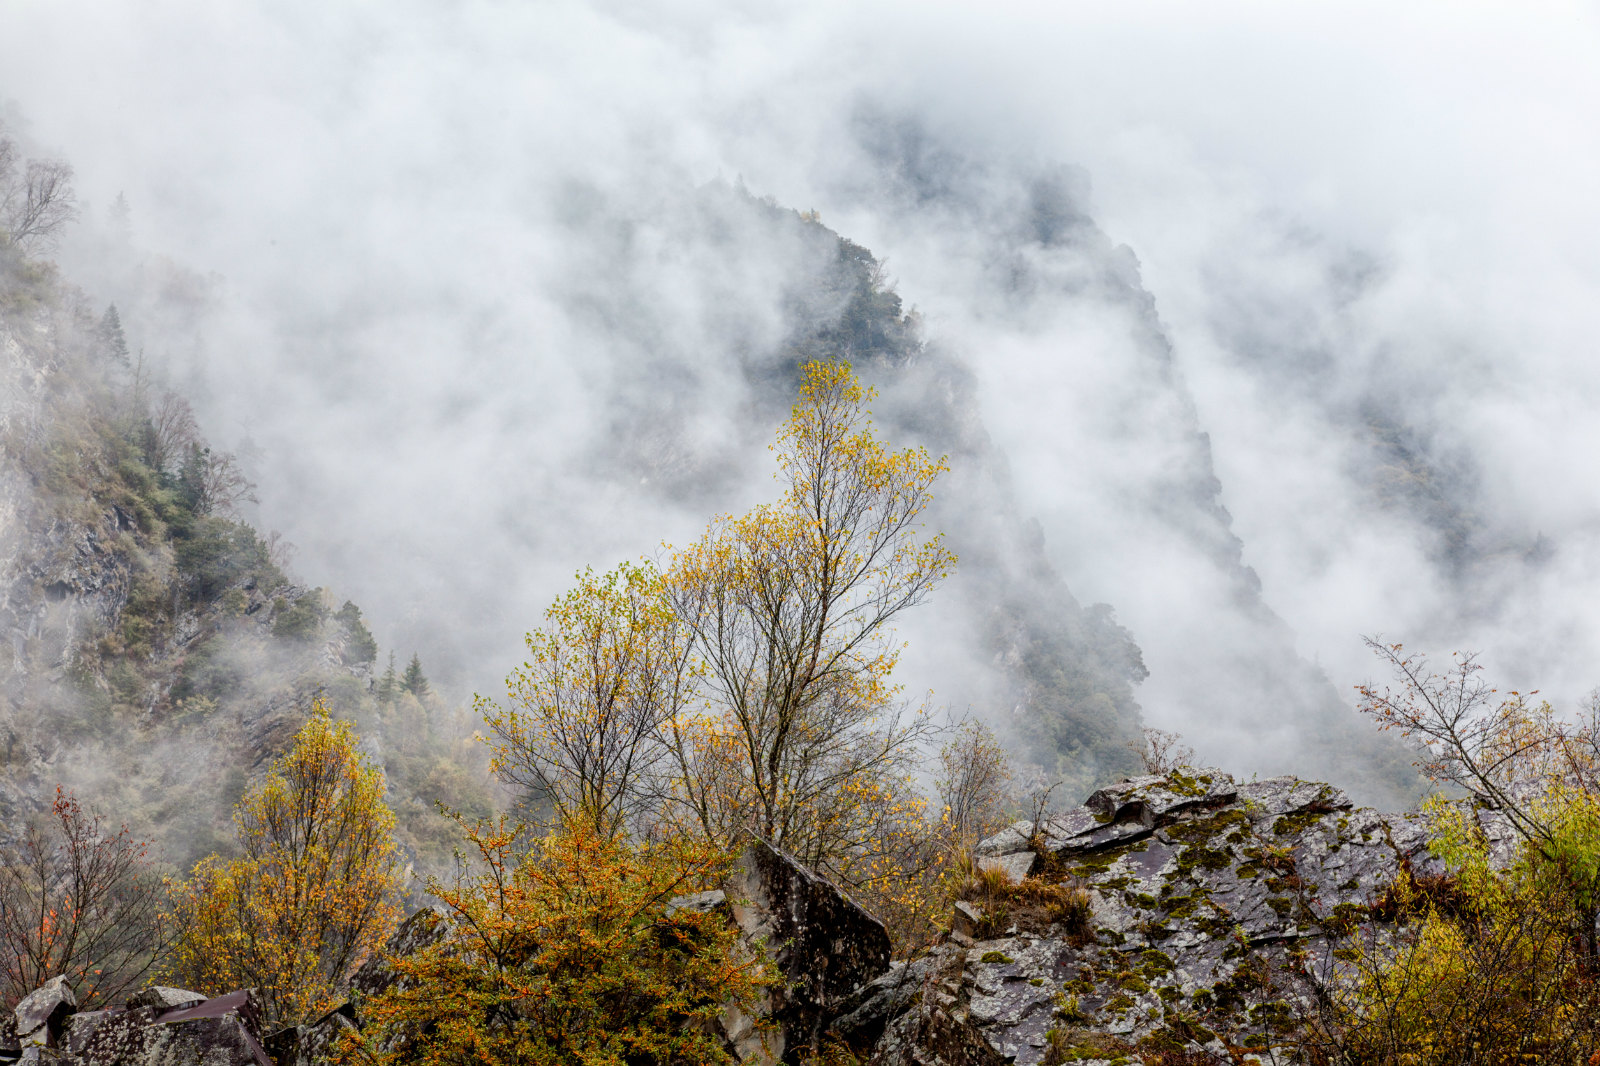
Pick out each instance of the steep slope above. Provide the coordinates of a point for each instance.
(154, 653)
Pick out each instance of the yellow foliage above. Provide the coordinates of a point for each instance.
(787, 609)
(1486, 965)
(315, 890)
(584, 714)
(572, 954)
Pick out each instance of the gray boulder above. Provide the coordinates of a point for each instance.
(42, 1014)
(162, 998)
(1200, 887)
(827, 948)
(422, 929)
(224, 1031)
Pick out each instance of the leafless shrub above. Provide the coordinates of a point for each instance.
(78, 899)
(1163, 752)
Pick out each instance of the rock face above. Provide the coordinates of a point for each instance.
(826, 947)
(1199, 886)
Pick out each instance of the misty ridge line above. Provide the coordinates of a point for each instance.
(920, 188)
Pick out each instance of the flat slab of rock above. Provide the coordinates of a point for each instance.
(826, 946)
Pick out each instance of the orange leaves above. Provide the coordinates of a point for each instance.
(570, 953)
(78, 899)
(314, 891)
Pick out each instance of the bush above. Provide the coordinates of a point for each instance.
(81, 900)
(572, 953)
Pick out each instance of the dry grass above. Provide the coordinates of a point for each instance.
(1034, 904)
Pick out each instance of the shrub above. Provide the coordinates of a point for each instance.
(1036, 903)
(572, 953)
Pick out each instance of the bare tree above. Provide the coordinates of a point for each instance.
(972, 784)
(1162, 752)
(173, 430)
(78, 899)
(224, 486)
(35, 203)
(280, 553)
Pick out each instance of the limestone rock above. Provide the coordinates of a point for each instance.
(1199, 886)
(423, 928)
(161, 997)
(313, 1044)
(43, 1013)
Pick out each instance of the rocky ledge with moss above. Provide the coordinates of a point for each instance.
(1214, 910)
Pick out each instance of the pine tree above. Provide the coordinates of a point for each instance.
(359, 646)
(388, 685)
(120, 216)
(111, 335)
(414, 682)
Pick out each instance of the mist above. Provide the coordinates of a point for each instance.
(468, 287)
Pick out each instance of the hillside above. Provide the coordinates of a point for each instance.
(155, 652)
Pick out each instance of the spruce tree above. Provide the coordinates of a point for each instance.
(359, 645)
(413, 681)
(111, 335)
(388, 685)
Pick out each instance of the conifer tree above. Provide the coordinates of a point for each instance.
(389, 684)
(414, 682)
(360, 647)
(111, 335)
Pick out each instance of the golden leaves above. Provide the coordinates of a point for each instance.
(569, 953)
(315, 889)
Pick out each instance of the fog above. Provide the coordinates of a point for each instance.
(438, 270)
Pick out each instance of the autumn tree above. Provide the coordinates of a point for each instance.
(1493, 960)
(567, 950)
(1509, 752)
(585, 715)
(315, 889)
(36, 199)
(787, 610)
(80, 899)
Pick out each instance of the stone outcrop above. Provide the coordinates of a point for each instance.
(1199, 886)
(156, 1026)
(826, 947)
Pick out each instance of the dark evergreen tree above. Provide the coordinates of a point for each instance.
(388, 684)
(110, 331)
(413, 681)
(359, 645)
(192, 481)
